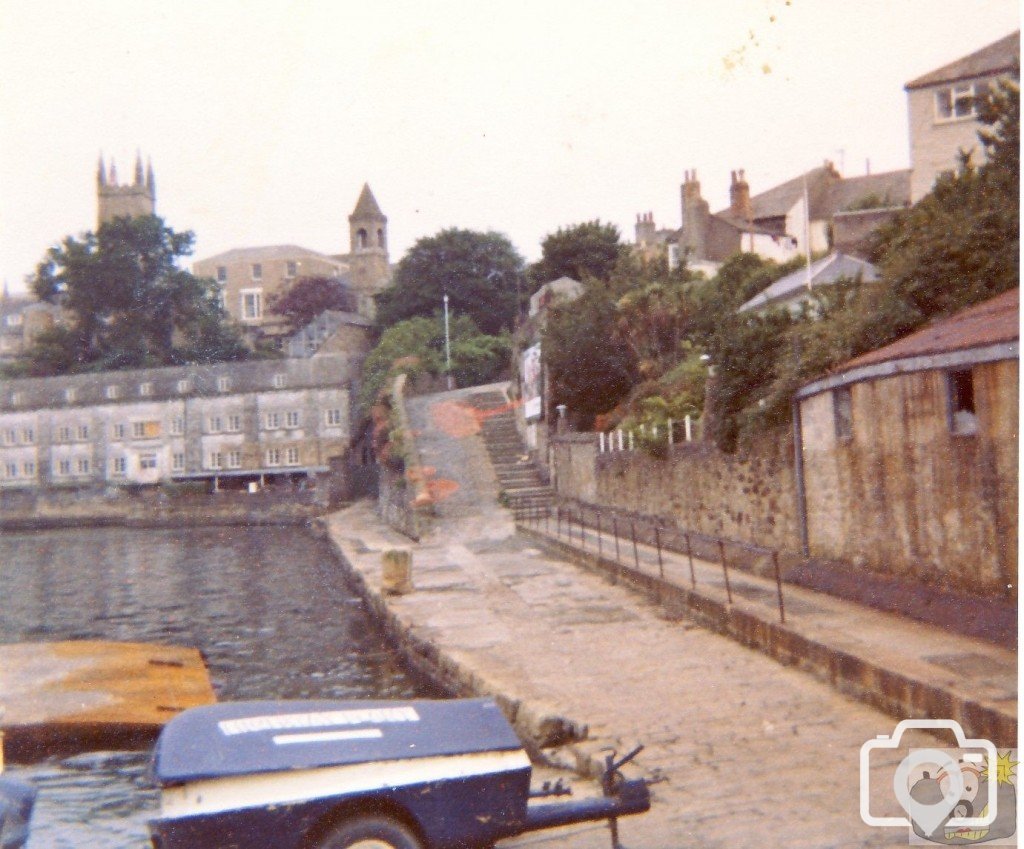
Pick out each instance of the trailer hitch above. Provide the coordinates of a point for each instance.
(615, 784)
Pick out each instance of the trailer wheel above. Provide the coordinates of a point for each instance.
(370, 832)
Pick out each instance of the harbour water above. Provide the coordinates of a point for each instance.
(268, 607)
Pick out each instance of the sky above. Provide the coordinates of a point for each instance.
(264, 119)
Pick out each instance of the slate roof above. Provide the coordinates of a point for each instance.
(1000, 57)
(824, 272)
(367, 206)
(988, 323)
(892, 187)
(267, 252)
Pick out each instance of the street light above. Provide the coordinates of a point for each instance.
(447, 344)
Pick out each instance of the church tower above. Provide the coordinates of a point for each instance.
(128, 201)
(368, 238)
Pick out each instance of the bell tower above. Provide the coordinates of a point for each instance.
(128, 201)
(368, 240)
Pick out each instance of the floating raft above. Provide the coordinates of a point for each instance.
(70, 697)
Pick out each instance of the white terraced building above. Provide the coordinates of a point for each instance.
(245, 421)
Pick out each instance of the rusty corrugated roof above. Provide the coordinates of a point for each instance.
(988, 323)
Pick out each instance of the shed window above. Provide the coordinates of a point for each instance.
(842, 407)
(963, 419)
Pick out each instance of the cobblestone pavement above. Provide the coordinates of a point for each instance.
(755, 754)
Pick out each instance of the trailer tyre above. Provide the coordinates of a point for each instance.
(370, 832)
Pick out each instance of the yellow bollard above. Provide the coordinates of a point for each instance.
(397, 575)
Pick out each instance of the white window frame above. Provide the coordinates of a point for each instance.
(117, 431)
(273, 457)
(148, 460)
(215, 460)
(184, 385)
(119, 466)
(146, 389)
(82, 466)
(291, 419)
(70, 394)
(956, 93)
(291, 456)
(278, 380)
(256, 313)
(332, 417)
(234, 423)
(28, 468)
(234, 459)
(82, 433)
(223, 384)
(17, 398)
(10, 436)
(28, 436)
(214, 424)
(112, 392)
(178, 462)
(177, 426)
(272, 421)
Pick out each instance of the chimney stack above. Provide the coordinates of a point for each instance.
(739, 197)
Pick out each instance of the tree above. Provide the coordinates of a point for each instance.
(582, 251)
(416, 346)
(310, 296)
(481, 272)
(589, 369)
(131, 306)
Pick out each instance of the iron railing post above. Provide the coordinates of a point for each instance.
(725, 570)
(636, 554)
(778, 584)
(689, 556)
(657, 542)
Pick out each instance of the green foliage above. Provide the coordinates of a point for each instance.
(132, 307)
(481, 272)
(416, 347)
(310, 296)
(589, 369)
(582, 251)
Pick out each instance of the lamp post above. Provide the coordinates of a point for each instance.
(447, 344)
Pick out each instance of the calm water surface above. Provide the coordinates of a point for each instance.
(268, 607)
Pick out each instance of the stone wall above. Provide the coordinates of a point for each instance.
(749, 498)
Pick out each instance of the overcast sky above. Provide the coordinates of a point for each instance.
(264, 119)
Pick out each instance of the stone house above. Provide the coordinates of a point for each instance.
(250, 277)
(942, 113)
(780, 223)
(223, 423)
(22, 319)
(907, 455)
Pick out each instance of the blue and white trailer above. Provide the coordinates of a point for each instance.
(369, 774)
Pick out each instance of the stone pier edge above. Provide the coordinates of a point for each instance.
(550, 739)
(896, 693)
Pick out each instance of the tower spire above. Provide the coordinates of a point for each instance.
(101, 173)
(138, 168)
(113, 173)
(150, 181)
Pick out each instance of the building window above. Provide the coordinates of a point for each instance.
(279, 380)
(216, 460)
(147, 461)
(70, 395)
(10, 470)
(82, 465)
(361, 239)
(252, 304)
(177, 426)
(28, 436)
(273, 457)
(960, 101)
(146, 389)
(332, 417)
(29, 468)
(257, 271)
(273, 421)
(184, 386)
(177, 462)
(291, 418)
(119, 465)
(214, 425)
(112, 392)
(962, 416)
(223, 384)
(64, 467)
(234, 459)
(222, 273)
(146, 430)
(234, 423)
(82, 433)
(291, 456)
(842, 407)
(10, 436)
(291, 268)
(17, 398)
(63, 434)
